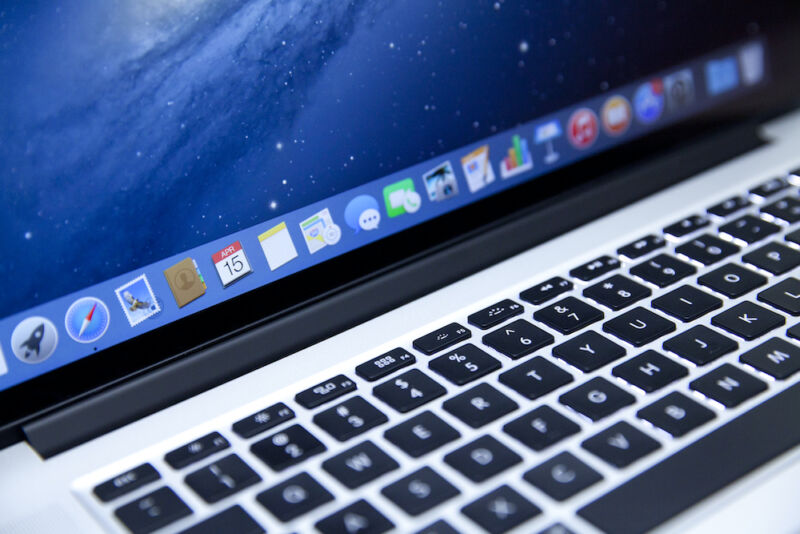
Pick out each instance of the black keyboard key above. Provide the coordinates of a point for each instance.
(126, 482)
(729, 207)
(421, 434)
(687, 303)
(687, 225)
(770, 187)
(676, 413)
(360, 517)
(785, 296)
(617, 292)
(287, 447)
(774, 258)
(480, 405)
(464, 364)
(541, 428)
(794, 331)
(663, 270)
(264, 420)
(294, 497)
(794, 237)
(482, 459)
(700, 345)
(787, 209)
(728, 385)
(410, 390)
(501, 510)
(749, 228)
(597, 398)
(568, 315)
(535, 378)
(621, 444)
(642, 246)
(420, 491)
(776, 357)
(234, 519)
(439, 527)
(595, 268)
(639, 326)
(441, 338)
(360, 464)
(350, 418)
(325, 392)
(589, 351)
(385, 364)
(748, 320)
(196, 450)
(153, 511)
(650, 371)
(541, 293)
(222, 478)
(562, 476)
(495, 314)
(707, 249)
(556, 528)
(517, 339)
(732, 280)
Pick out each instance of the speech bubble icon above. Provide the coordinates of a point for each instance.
(355, 210)
(369, 219)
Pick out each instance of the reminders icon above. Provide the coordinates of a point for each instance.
(277, 246)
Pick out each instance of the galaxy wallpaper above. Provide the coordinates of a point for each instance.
(131, 130)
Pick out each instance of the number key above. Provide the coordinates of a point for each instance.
(408, 391)
(749, 228)
(663, 270)
(518, 338)
(465, 364)
(568, 315)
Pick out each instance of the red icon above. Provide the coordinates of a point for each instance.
(582, 128)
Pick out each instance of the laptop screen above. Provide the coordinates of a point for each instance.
(162, 157)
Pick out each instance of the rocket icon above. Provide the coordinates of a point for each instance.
(33, 343)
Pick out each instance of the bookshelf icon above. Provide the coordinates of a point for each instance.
(518, 159)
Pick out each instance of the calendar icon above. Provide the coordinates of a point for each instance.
(231, 263)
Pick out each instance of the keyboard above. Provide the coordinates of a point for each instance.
(616, 395)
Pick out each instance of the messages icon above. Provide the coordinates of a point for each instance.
(400, 197)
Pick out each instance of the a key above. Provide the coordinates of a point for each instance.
(777, 357)
(294, 497)
(749, 229)
(595, 268)
(464, 364)
(541, 293)
(288, 447)
(535, 377)
(650, 371)
(222, 478)
(687, 303)
(420, 491)
(639, 326)
(597, 398)
(732, 280)
(748, 320)
(588, 351)
(360, 464)
(641, 247)
(686, 226)
(385, 364)
(349, 418)
(707, 249)
(233, 519)
(441, 338)
(784, 295)
(517, 339)
(325, 392)
(728, 385)
(676, 413)
(152, 511)
(264, 420)
(360, 517)
(421, 434)
(409, 390)
(480, 405)
(700, 345)
(729, 207)
(568, 315)
(787, 209)
(770, 187)
(562, 476)
(617, 292)
(495, 314)
(196, 450)
(482, 459)
(621, 444)
(774, 258)
(501, 510)
(126, 482)
(663, 270)
(541, 428)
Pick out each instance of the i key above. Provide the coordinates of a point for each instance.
(568, 315)
(687, 303)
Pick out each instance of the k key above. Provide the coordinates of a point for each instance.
(748, 320)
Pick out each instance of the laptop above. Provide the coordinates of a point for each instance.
(365, 267)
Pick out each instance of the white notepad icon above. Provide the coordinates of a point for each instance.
(277, 246)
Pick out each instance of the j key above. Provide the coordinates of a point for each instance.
(294, 497)
(787, 209)
(360, 464)
(749, 228)
(770, 187)
(287, 448)
(687, 303)
(728, 385)
(595, 268)
(517, 339)
(707, 249)
(263, 420)
(774, 258)
(153, 511)
(650, 371)
(784, 296)
(541, 428)
(350, 418)
(325, 392)
(480, 405)
(222, 478)
(676, 413)
(541, 293)
(732, 280)
(589, 351)
(535, 378)
(385, 364)
(621, 444)
(748, 320)
(126, 482)
(234, 519)
(617, 292)
(686, 226)
(728, 207)
(501, 510)
(196, 450)
(597, 398)
(441, 338)
(568, 315)
(643, 246)
(794, 237)
(360, 517)
(464, 364)
(439, 527)
(421, 434)
(482, 459)
(410, 390)
(562, 476)
(663, 270)
(639, 326)
(700, 345)
(495, 314)
(776, 357)
(420, 491)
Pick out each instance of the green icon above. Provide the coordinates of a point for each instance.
(400, 197)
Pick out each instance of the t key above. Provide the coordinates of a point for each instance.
(568, 315)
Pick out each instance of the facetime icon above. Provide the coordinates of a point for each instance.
(185, 281)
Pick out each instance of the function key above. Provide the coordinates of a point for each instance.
(588, 351)
(728, 385)
(568, 315)
(287, 448)
(408, 391)
(234, 519)
(595, 268)
(126, 482)
(687, 225)
(541, 428)
(360, 464)
(294, 497)
(748, 320)
(650, 371)
(541, 293)
(784, 296)
(663, 270)
(480, 405)
(700, 345)
(621, 444)
(749, 229)
(562, 476)
(676, 413)
(642, 246)
(617, 292)
(222, 478)
(360, 517)
(787, 209)
(421, 434)
(535, 378)
(501, 510)
(482, 459)
(687, 303)
(442, 338)
(728, 207)
(196, 450)
(464, 364)
(775, 357)
(325, 392)
(639, 326)
(263, 420)
(770, 187)
(732, 280)
(420, 491)
(518, 338)
(707, 249)
(774, 258)
(597, 398)
(152, 511)
(350, 418)
(495, 314)
(385, 364)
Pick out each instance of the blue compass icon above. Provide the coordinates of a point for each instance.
(87, 320)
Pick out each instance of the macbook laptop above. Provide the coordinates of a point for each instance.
(372, 266)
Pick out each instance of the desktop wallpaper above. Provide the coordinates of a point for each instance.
(133, 129)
